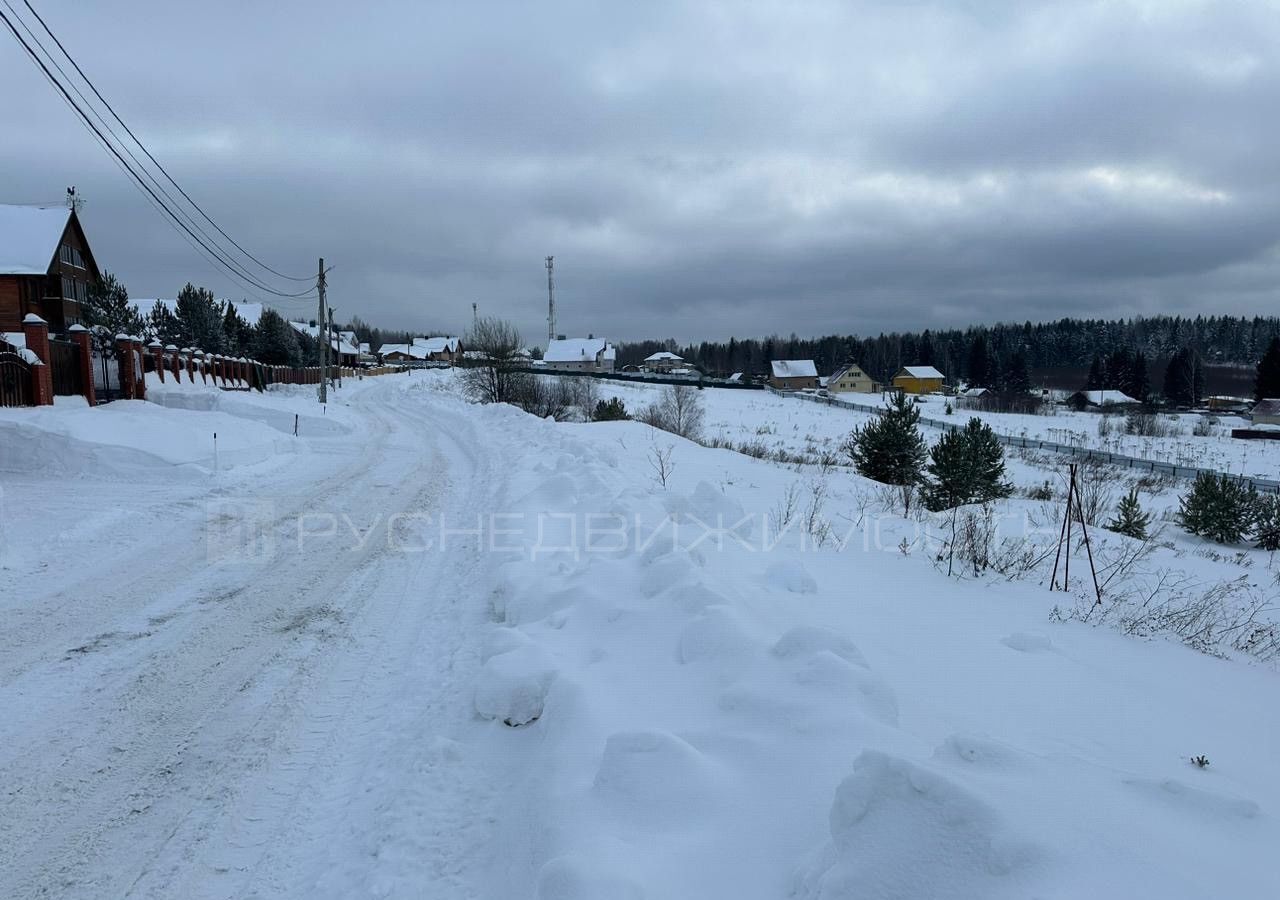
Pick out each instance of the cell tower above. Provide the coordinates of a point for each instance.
(551, 299)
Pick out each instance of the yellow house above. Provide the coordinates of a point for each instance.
(849, 379)
(918, 380)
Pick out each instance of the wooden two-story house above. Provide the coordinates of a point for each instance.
(46, 266)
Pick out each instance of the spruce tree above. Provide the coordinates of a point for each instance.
(275, 342)
(966, 466)
(1267, 523)
(978, 370)
(1097, 378)
(889, 448)
(1219, 508)
(164, 326)
(1129, 518)
(108, 308)
(1267, 384)
(1179, 379)
(200, 316)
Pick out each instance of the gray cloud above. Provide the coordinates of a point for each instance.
(699, 169)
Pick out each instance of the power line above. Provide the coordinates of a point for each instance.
(116, 137)
(216, 252)
(149, 156)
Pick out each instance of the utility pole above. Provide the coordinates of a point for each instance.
(334, 339)
(324, 345)
(475, 316)
(551, 300)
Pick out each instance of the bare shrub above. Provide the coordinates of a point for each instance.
(679, 410)
(661, 463)
(495, 376)
(1215, 618)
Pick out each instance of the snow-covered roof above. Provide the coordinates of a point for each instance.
(437, 344)
(579, 349)
(337, 343)
(29, 237)
(409, 350)
(736, 376)
(921, 372)
(794, 368)
(663, 354)
(1267, 407)
(973, 392)
(1106, 398)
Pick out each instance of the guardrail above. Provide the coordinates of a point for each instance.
(1085, 454)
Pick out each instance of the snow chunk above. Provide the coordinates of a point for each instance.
(789, 575)
(712, 509)
(716, 636)
(654, 775)
(513, 685)
(579, 878)
(899, 830)
(807, 640)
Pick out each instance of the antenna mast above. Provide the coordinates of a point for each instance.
(551, 299)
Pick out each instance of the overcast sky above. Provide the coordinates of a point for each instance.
(698, 169)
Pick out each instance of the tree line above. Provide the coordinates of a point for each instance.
(1005, 347)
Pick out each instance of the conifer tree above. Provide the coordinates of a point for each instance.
(966, 466)
(108, 307)
(1267, 383)
(1219, 508)
(890, 449)
(1267, 523)
(1129, 518)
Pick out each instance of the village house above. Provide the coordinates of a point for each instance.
(850, 379)
(46, 266)
(793, 374)
(589, 354)
(918, 380)
(402, 353)
(441, 349)
(663, 361)
(1266, 412)
(1100, 399)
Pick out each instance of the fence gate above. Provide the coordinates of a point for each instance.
(68, 380)
(15, 381)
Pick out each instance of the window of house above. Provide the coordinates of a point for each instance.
(68, 287)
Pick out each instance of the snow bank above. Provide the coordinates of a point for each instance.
(899, 830)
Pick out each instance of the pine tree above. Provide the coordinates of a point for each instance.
(1267, 523)
(1129, 518)
(200, 316)
(164, 326)
(238, 333)
(275, 342)
(1018, 377)
(978, 370)
(1219, 508)
(1139, 383)
(1179, 379)
(966, 466)
(108, 308)
(1267, 384)
(1097, 376)
(890, 449)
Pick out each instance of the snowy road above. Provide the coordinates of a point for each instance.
(186, 726)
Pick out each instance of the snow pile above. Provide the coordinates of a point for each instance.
(712, 711)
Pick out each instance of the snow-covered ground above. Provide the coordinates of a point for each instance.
(430, 649)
